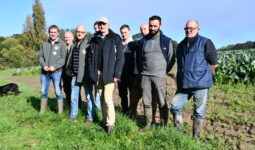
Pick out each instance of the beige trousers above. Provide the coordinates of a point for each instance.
(108, 110)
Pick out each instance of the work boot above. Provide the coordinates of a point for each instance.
(60, 106)
(178, 122)
(148, 117)
(164, 115)
(197, 124)
(43, 106)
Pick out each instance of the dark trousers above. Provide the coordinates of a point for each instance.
(125, 87)
(67, 87)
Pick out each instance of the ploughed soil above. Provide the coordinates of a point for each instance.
(239, 136)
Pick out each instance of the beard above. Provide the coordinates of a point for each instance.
(152, 33)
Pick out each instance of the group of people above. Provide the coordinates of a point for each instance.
(140, 67)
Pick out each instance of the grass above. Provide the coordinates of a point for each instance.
(22, 128)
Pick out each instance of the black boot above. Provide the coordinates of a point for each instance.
(197, 124)
(148, 116)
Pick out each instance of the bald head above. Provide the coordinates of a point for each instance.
(192, 28)
(144, 28)
(80, 32)
(68, 37)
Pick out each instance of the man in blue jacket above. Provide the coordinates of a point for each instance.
(196, 59)
(106, 59)
(156, 58)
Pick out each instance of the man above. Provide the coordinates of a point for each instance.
(96, 28)
(76, 67)
(106, 60)
(68, 38)
(155, 60)
(136, 91)
(127, 76)
(52, 58)
(196, 59)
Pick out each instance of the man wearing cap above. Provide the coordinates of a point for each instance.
(106, 59)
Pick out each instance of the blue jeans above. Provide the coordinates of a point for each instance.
(92, 102)
(45, 84)
(182, 96)
(74, 97)
(97, 101)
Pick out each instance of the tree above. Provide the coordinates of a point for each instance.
(28, 35)
(39, 24)
(14, 55)
(34, 30)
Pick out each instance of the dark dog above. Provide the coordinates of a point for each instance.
(11, 87)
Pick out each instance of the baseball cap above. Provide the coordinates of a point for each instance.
(103, 19)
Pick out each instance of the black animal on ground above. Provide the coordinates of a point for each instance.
(11, 87)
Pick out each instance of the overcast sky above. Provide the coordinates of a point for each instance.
(223, 21)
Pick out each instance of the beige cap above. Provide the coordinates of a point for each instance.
(103, 19)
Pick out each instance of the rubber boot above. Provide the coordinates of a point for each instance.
(43, 106)
(148, 116)
(178, 122)
(197, 124)
(60, 106)
(164, 115)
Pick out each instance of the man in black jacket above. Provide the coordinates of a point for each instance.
(106, 59)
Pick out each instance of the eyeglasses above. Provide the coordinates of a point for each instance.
(80, 32)
(189, 28)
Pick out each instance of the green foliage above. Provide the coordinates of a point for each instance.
(236, 67)
(14, 55)
(35, 28)
(239, 46)
(39, 24)
(27, 71)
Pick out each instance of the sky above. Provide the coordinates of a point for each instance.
(223, 21)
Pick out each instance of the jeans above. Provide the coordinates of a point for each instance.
(92, 102)
(74, 97)
(45, 84)
(182, 96)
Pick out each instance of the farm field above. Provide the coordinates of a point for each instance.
(229, 124)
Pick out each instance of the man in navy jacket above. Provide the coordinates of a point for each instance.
(106, 59)
(196, 59)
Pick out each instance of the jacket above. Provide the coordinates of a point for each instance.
(53, 55)
(194, 71)
(113, 58)
(166, 50)
(82, 70)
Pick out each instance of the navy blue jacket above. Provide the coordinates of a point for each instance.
(164, 45)
(194, 71)
(113, 58)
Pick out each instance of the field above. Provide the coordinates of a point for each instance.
(230, 122)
